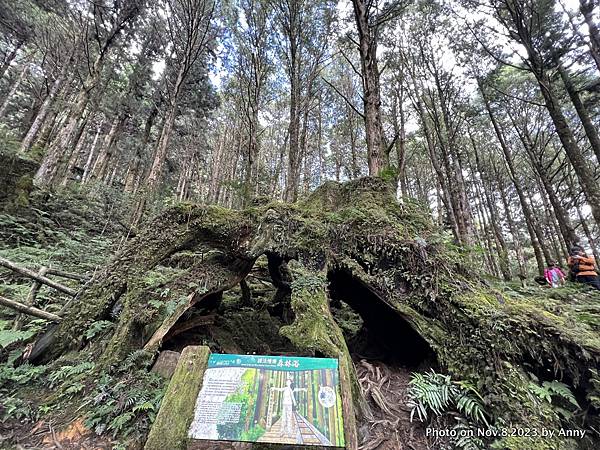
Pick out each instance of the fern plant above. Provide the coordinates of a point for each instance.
(8, 336)
(556, 393)
(436, 393)
(466, 437)
(127, 408)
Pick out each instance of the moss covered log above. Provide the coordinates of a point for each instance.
(505, 342)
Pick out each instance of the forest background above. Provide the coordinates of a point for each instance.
(484, 112)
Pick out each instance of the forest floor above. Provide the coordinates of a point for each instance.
(386, 389)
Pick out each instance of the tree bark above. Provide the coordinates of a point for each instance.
(42, 113)
(586, 7)
(590, 129)
(13, 90)
(377, 155)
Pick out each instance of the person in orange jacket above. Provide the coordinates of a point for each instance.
(583, 268)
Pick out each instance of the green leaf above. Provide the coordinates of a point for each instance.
(8, 337)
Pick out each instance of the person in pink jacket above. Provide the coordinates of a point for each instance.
(554, 275)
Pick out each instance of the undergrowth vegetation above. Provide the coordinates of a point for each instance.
(120, 405)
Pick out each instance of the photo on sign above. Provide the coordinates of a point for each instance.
(282, 405)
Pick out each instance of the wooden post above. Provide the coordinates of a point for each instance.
(29, 310)
(170, 429)
(30, 300)
(29, 273)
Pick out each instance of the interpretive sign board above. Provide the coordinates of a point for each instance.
(274, 399)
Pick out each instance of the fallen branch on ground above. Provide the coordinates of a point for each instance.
(31, 310)
(30, 274)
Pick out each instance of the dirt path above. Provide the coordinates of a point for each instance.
(389, 427)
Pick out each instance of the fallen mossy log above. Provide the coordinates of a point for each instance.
(503, 343)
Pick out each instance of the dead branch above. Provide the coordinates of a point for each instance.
(31, 310)
(30, 274)
(69, 275)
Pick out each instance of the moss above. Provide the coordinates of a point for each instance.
(170, 429)
(16, 180)
(314, 329)
(492, 337)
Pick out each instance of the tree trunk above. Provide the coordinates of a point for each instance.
(13, 90)
(398, 278)
(586, 7)
(566, 229)
(42, 113)
(377, 155)
(9, 59)
(590, 129)
(580, 164)
(87, 169)
(490, 201)
(291, 187)
(531, 226)
(516, 238)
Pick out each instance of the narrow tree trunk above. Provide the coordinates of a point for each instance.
(516, 238)
(13, 90)
(531, 227)
(438, 171)
(106, 152)
(566, 229)
(79, 141)
(160, 154)
(590, 129)
(580, 164)
(536, 219)
(588, 234)
(495, 219)
(42, 113)
(9, 59)
(586, 7)
(487, 237)
(291, 188)
(90, 159)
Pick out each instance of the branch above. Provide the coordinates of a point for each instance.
(30, 274)
(390, 12)
(30, 310)
(356, 71)
(345, 98)
(389, 149)
(72, 276)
